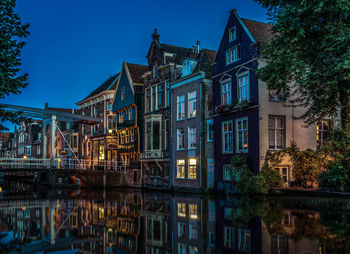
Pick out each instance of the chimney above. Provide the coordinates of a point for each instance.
(198, 43)
(46, 105)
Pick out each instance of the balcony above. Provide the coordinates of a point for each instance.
(152, 155)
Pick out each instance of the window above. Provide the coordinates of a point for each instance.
(191, 138)
(148, 100)
(242, 135)
(244, 240)
(132, 135)
(193, 232)
(181, 248)
(156, 135)
(28, 150)
(109, 106)
(180, 139)
(38, 150)
(243, 88)
(130, 113)
(233, 54)
(210, 131)
(227, 172)
(121, 117)
(181, 209)
(322, 132)
(126, 137)
(159, 96)
(122, 138)
(111, 122)
(227, 137)
(192, 111)
(229, 237)
(193, 211)
(212, 240)
(180, 169)
(154, 98)
(192, 168)
(232, 34)
(275, 95)
(148, 135)
(95, 110)
(226, 93)
(122, 94)
(181, 229)
(276, 132)
(193, 250)
(180, 107)
(228, 213)
(284, 172)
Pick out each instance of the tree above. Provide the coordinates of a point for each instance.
(12, 31)
(310, 47)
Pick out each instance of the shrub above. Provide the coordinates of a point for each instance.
(335, 177)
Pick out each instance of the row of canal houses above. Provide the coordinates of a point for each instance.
(177, 121)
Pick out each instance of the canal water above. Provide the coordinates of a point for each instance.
(131, 221)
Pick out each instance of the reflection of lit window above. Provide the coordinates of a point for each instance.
(181, 209)
(193, 211)
(102, 152)
(193, 232)
(181, 248)
(228, 213)
(244, 239)
(229, 237)
(101, 212)
(181, 229)
(193, 250)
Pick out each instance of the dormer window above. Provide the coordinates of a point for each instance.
(122, 95)
(187, 67)
(232, 34)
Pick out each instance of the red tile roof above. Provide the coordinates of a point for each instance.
(262, 32)
(136, 71)
(211, 54)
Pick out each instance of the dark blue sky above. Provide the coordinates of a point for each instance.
(74, 45)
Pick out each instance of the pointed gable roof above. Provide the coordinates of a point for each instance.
(262, 32)
(136, 71)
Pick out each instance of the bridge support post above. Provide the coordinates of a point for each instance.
(52, 223)
(53, 141)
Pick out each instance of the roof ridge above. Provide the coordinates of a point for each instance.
(257, 21)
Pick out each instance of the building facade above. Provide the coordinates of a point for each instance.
(164, 65)
(192, 124)
(97, 143)
(128, 109)
(249, 119)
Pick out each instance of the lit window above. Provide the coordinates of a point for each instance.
(180, 139)
(181, 209)
(227, 137)
(210, 131)
(180, 169)
(232, 34)
(227, 172)
(192, 111)
(192, 169)
(132, 135)
(229, 237)
(243, 88)
(191, 138)
(122, 138)
(233, 54)
(322, 132)
(244, 240)
(130, 113)
(193, 211)
(226, 93)
(242, 135)
(127, 137)
(276, 132)
(180, 107)
(121, 117)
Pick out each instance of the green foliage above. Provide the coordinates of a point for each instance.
(10, 56)
(336, 177)
(248, 182)
(307, 165)
(310, 46)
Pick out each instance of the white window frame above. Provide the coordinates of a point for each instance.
(243, 87)
(232, 36)
(180, 139)
(180, 109)
(210, 133)
(191, 136)
(244, 132)
(276, 130)
(230, 136)
(233, 54)
(226, 92)
(192, 104)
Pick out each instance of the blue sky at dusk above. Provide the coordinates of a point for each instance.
(75, 45)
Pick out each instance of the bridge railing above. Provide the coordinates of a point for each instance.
(91, 164)
(27, 163)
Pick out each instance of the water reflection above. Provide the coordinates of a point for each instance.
(140, 222)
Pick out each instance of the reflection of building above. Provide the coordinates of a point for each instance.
(128, 108)
(97, 143)
(157, 225)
